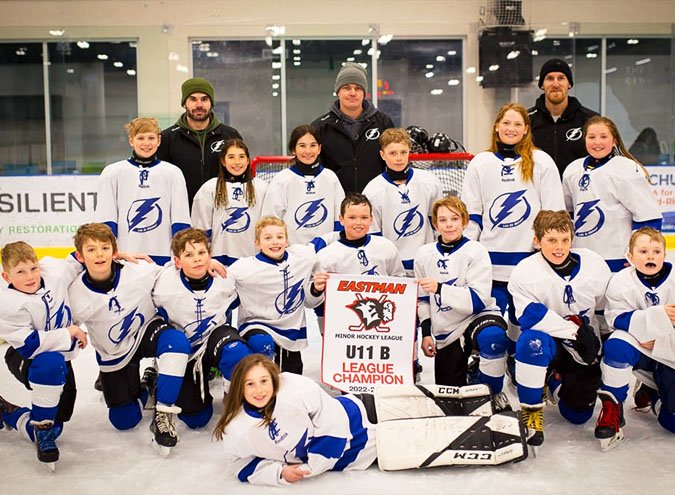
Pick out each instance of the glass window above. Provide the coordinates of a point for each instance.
(93, 94)
(640, 94)
(22, 110)
(246, 78)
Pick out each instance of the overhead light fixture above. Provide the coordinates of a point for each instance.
(452, 52)
(513, 54)
(493, 67)
(358, 51)
(83, 44)
(470, 70)
(436, 91)
(365, 42)
(610, 70)
(385, 38)
(278, 50)
(118, 64)
(131, 72)
(429, 75)
(430, 66)
(479, 79)
(179, 67)
(350, 59)
(102, 56)
(453, 82)
(440, 58)
(643, 61)
(57, 32)
(212, 54)
(296, 42)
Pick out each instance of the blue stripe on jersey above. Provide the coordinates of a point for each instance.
(337, 226)
(509, 259)
(113, 227)
(359, 434)
(533, 314)
(478, 305)
(478, 219)
(408, 264)
(655, 223)
(249, 469)
(209, 233)
(318, 244)
(616, 265)
(112, 362)
(225, 259)
(177, 227)
(424, 299)
(622, 322)
(301, 448)
(163, 314)
(160, 260)
(289, 333)
(327, 446)
(30, 345)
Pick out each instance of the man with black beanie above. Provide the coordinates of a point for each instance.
(557, 119)
(195, 141)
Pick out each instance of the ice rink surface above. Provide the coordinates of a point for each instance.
(95, 459)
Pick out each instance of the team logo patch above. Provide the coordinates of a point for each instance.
(584, 182)
(217, 146)
(238, 220)
(311, 214)
(573, 134)
(143, 176)
(409, 222)
(589, 218)
(373, 313)
(144, 215)
(131, 323)
(372, 134)
(56, 317)
(509, 210)
(292, 297)
(652, 298)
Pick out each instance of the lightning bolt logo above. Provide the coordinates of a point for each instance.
(311, 214)
(409, 222)
(291, 299)
(144, 215)
(437, 298)
(512, 209)
(198, 329)
(583, 227)
(238, 220)
(132, 322)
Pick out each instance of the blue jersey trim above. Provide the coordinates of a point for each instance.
(358, 431)
(293, 334)
(655, 223)
(622, 322)
(508, 259)
(249, 469)
(616, 265)
(478, 219)
(177, 227)
(30, 345)
(533, 314)
(478, 305)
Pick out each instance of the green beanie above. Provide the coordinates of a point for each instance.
(197, 85)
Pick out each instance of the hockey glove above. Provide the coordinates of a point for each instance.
(587, 343)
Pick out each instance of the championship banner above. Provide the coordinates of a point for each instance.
(46, 210)
(369, 330)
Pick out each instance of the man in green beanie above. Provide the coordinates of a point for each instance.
(350, 132)
(195, 141)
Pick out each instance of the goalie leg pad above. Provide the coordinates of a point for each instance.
(453, 440)
(415, 401)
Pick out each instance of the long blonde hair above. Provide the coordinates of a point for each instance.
(525, 147)
(619, 148)
(235, 397)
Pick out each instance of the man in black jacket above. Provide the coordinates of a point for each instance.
(557, 119)
(195, 141)
(351, 130)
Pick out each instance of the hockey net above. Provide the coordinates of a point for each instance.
(450, 168)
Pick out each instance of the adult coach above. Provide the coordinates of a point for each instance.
(195, 141)
(351, 130)
(557, 119)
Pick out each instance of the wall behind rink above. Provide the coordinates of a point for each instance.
(45, 211)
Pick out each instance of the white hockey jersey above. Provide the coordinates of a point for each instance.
(144, 206)
(378, 256)
(309, 205)
(273, 295)
(502, 207)
(197, 313)
(308, 426)
(638, 310)
(116, 320)
(465, 276)
(231, 229)
(402, 212)
(38, 323)
(604, 202)
(543, 299)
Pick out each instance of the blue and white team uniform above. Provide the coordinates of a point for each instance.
(372, 255)
(231, 229)
(402, 212)
(543, 299)
(462, 313)
(608, 199)
(309, 205)
(308, 427)
(273, 295)
(144, 206)
(124, 327)
(36, 328)
(202, 314)
(635, 310)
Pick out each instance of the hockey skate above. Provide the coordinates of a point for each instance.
(553, 381)
(501, 403)
(609, 428)
(6, 407)
(533, 419)
(472, 372)
(511, 371)
(643, 396)
(45, 443)
(163, 426)
(149, 383)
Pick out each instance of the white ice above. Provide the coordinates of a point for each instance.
(99, 460)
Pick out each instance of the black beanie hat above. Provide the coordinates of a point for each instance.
(555, 65)
(196, 85)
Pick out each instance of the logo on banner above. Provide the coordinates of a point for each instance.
(373, 313)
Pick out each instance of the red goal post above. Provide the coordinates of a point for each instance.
(450, 168)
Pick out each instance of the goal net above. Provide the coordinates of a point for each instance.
(450, 168)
